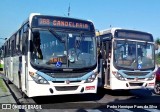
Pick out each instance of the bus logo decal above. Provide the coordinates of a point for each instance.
(136, 79)
(67, 81)
(139, 66)
(58, 64)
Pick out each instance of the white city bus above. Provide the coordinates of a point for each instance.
(51, 55)
(126, 59)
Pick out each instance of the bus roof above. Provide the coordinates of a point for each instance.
(127, 34)
(36, 14)
(60, 22)
(112, 30)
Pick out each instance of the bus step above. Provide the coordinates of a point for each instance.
(106, 86)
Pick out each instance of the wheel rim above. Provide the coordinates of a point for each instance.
(157, 89)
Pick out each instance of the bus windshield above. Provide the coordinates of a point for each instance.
(62, 49)
(133, 55)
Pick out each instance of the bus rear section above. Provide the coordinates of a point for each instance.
(58, 56)
(126, 59)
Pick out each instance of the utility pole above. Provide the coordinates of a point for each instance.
(69, 10)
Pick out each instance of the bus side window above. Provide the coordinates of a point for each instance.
(24, 44)
(17, 51)
(12, 47)
(25, 41)
(8, 50)
(20, 39)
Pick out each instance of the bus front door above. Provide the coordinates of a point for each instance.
(106, 55)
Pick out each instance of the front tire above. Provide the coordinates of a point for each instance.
(157, 88)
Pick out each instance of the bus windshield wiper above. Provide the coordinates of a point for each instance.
(77, 42)
(56, 35)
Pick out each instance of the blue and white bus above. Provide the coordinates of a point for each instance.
(51, 55)
(126, 59)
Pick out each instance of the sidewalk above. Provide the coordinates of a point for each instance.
(5, 95)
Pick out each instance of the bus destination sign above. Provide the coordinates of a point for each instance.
(62, 23)
(134, 35)
(59, 22)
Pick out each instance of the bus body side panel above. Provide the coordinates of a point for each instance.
(23, 73)
(15, 70)
(8, 68)
(11, 69)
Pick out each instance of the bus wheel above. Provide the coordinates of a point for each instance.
(157, 88)
(24, 95)
(8, 81)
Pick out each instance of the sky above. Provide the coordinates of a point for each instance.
(143, 15)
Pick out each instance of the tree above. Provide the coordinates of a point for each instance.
(157, 41)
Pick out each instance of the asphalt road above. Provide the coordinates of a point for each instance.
(105, 100)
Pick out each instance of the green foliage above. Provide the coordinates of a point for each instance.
(157, 41)
(158, 58)
(2, 86)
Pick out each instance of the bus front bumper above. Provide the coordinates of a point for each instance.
(139, 84)
(60, 88)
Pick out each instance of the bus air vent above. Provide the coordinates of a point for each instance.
(136, 73)
(135, 84)
(66, 75)
(66, 88)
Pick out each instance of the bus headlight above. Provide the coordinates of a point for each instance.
(151, 77)
(91, 78)
(118, 76)
(38, 79)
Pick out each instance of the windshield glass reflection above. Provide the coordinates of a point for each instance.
(133, 55)
(75, 51)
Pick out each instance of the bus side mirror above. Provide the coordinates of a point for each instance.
(156, 47)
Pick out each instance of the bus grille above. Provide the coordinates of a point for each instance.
(134, 78)
(136, 73)
(66, 88)
(77, 81)
(135, 84)
(66, 75)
